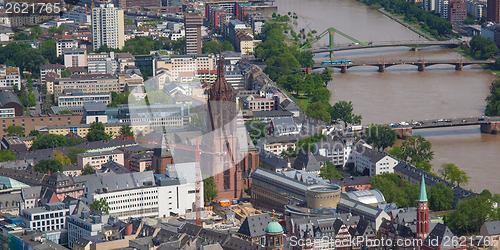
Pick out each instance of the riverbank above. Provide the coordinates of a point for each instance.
(407, 25)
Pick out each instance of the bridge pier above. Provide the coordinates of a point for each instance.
(403, 132)
(421, 67)
(343, 69)
(490, 128)
(459, 66)
(381, 68)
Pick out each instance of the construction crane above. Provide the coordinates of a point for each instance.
(197, 151)
(331, 32)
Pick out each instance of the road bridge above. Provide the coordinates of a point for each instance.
(421, 64)
(489, 125)
(414, 44)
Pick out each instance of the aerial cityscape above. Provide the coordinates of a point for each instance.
(249, 124)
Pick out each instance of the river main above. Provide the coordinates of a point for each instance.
(402, 93)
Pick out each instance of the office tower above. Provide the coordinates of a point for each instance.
(192, 23)
(107, 27)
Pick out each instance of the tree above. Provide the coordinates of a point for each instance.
(60, 157)
(424, 165)
(396, 151)
(97, 132)
(34, 132)
(66, 73)
(470, 215)
(48, 50)
(381, 136)
(326, 75)
(395, 189)
(416, 149)
(7, 155)
(329, 172)
(318, 110)
(440, 197)
(100, 205)
(72, 152)
(87, 169)
(49, 141)
(453, 174)
(14, 130)
(126, 130)
(209, 189)
(307, 144)
(493, 99)
(210, 47)
(343, 111)
(226, 46)
(48, 166)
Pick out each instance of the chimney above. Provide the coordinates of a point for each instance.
(128, 229)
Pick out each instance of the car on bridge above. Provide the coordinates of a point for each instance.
(480, 119)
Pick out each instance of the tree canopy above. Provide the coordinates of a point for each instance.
(97, 132)
(329, 172)
(14, 130)
(493, 99)
(209, 189)
(60, 157)
(318, 110)
(396, 190)
(380, 136)
(481, 47)
(416, 149)
(53, 141)
(343, 111)
(7, 155)
(87, 169)
(126, 130)
(470, 214)
(453, 174)
(100, 205)
(48, 166)
(440, 197)
(213, 47)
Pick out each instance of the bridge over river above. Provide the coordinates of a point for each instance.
(490, 125)
(421, 64)
(411, 43)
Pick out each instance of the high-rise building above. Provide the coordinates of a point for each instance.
(192, 23)
(107, 27)
(493, 10)
(138, 3)
(458, 11)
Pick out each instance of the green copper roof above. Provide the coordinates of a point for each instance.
(423, 192)
(274, 227)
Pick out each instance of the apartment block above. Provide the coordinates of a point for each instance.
(91, 83)
(107, 27)
(55, 68)
(97, 159)
(65, 44)
(192, 23)
(48, 218)
(75, 57)
(76, 98)
(10, 77)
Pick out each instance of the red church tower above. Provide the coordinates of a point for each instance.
(422, 213)
(230, 171)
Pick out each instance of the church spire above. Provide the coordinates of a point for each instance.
(423, 192)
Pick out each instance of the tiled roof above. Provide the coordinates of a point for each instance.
(255, 225)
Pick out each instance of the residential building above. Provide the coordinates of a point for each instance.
(493, 11)
(10, 106)
(10, 77)
(124, 4)
(458, 11)
(253, 228)
(308, 162)
(272, 162)
(33, 239)
(77, 17)
(37, 121)
(141, 162)
(258, 103)
(102, 63)
(55, 68)
(62, 44)
(491, 230)
(82, 130)
(97, 159)
(76, 98)
(353, 183)
(107, 27)
(231, 30)
(430, 5)
(193, 21)
(476, 9)
(49, 218)
(277, 145)
(75, 57)
(339, 152)
(185, 63)
(91, 83)
(83, 225)
(13, 143)
(371, 162)
(283, 126)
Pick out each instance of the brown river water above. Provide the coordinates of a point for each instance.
(402, 93)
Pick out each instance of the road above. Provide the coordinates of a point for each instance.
(38, 107)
